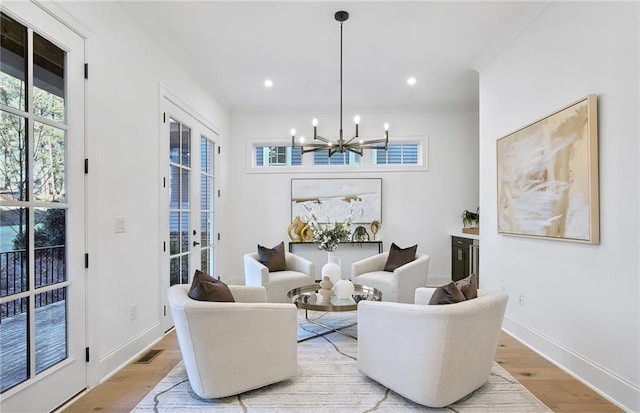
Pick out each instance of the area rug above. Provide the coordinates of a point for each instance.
(328, 380)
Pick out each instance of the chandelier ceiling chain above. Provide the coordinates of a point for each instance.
(354, 144)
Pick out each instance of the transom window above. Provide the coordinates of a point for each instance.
(402, 154)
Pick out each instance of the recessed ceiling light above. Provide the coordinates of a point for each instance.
(411, 81)
(268, 83)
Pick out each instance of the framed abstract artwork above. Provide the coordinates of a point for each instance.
(332, 200)
(548, 176)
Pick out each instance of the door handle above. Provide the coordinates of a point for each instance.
(196, 243)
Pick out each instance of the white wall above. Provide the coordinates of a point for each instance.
(126, 69)
(418, 207)
(581, 305)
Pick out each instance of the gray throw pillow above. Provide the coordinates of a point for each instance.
(469, 286)
(206, 288)
(447, 294)
(272, 258)
(399, 256)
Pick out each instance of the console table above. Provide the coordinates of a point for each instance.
(348, 252)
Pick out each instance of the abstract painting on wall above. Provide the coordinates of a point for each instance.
(548, 176)
(332, 200)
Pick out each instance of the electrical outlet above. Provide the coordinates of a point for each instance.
(133, 311)
(520, 298)
(119, 225)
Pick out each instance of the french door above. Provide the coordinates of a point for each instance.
(42, 203)
(188, 199)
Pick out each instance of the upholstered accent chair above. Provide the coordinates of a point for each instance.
(398, 285)
(232, 347)
(433, 355)
(299, 271)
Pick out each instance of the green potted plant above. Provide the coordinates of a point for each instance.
(471, 221)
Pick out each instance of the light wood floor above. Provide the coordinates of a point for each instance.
(558, 390)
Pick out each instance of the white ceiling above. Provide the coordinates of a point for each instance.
(232, 47)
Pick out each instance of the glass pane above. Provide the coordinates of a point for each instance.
(13, 162)
(184, 232)
(206, 155)
(410, 154)
(48, 79)
(174, 271)
(14, 363)
(394, 154)
(186, 146)
(174, 141)
(13, 250)
(260, 156)
(50, 240)
(206, 260)
(296, 156)
(174, 233)
(13, 69)
(184, 269)
(184, 189)
(51, 328)
(174, 187)
(48, 163)
(205, 229)
(206, 192)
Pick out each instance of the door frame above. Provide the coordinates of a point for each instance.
(64, 380)
(200, 126)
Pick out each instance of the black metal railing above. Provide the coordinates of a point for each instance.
(49, 268)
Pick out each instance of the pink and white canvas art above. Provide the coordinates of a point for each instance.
(548, 176)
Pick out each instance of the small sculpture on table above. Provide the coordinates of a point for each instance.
(375, 227)
(325, 289)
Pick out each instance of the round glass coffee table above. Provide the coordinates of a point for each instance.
(307, 298)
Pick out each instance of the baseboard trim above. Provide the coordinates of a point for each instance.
(129, 351)
(603, 381)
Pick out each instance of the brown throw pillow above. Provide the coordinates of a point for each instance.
(469, 286)
(447, 294)
(399, 256)
(272, 258)
(206, 288)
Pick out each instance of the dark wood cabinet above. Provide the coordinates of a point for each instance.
(465, 254)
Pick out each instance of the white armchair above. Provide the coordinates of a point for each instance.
(397, 286)
(230, 348)
(299, 272)
(433, 355)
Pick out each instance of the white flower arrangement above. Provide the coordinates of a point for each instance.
(329, 235)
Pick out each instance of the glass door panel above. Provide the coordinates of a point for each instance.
(42, 317)
(179, 202)
(188, 198)
(207, 188)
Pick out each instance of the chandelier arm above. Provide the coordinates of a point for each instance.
(323, 139)
(317, 145)
(314, 149)
(351, 140)
(355, 151)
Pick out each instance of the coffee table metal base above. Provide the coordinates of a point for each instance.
(329, 329)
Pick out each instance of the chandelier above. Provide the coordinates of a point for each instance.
(355, 144)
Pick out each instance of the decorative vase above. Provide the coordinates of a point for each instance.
(295, 229)
(344, 289)
(325, 290)
(332, 268)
